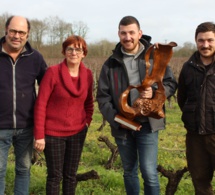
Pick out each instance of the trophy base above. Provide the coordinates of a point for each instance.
(128, 123)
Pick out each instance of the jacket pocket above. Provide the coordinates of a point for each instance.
(189, 117)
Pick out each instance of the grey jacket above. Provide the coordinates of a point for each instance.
(114, 80)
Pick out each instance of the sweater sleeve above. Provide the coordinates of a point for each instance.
(89, 100)
(45, 90)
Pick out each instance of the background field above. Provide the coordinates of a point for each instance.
(96, 154)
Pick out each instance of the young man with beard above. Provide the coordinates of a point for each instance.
(126, 66)
(196, 98)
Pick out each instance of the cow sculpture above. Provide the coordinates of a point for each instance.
(143, 106)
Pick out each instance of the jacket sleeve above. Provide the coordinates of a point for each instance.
(43, 67)
(169, 82)
(104, 98)
(181, 93)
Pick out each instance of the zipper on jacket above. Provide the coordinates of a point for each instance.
(14, 93)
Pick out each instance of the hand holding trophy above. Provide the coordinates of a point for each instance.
(150, 107)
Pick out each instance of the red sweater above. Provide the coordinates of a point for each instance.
(62, 107)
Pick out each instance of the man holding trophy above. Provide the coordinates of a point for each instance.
(127, 67)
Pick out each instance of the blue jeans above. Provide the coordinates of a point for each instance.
(22, 140)
(140, 147)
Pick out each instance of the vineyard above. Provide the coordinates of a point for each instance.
(100, 171)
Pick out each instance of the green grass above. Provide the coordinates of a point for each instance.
(96, 154)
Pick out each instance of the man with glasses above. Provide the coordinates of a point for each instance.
(20, 67)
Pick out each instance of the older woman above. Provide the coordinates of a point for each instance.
(63, 112)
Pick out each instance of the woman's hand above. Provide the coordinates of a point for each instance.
(39, 145)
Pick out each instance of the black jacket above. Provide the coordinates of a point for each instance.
(196, 96)
(114, 80)
(17, 87)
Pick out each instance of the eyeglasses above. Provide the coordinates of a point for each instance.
(13, 32)
(69, 50)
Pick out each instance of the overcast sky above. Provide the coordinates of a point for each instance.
(164, 20)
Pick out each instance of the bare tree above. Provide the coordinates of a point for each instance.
(3, 19)
(58, 30)
(80, 29)
(64, 30)
(37, 33)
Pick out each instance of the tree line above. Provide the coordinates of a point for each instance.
(47, 35)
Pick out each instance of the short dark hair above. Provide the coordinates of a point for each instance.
(77, 41)
(205, 27)
(127, 20)
(11, 17)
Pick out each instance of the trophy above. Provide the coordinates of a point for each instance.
(144, 106)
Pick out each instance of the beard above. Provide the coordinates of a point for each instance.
(129, 46)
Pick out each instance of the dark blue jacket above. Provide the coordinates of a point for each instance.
(17, 86)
